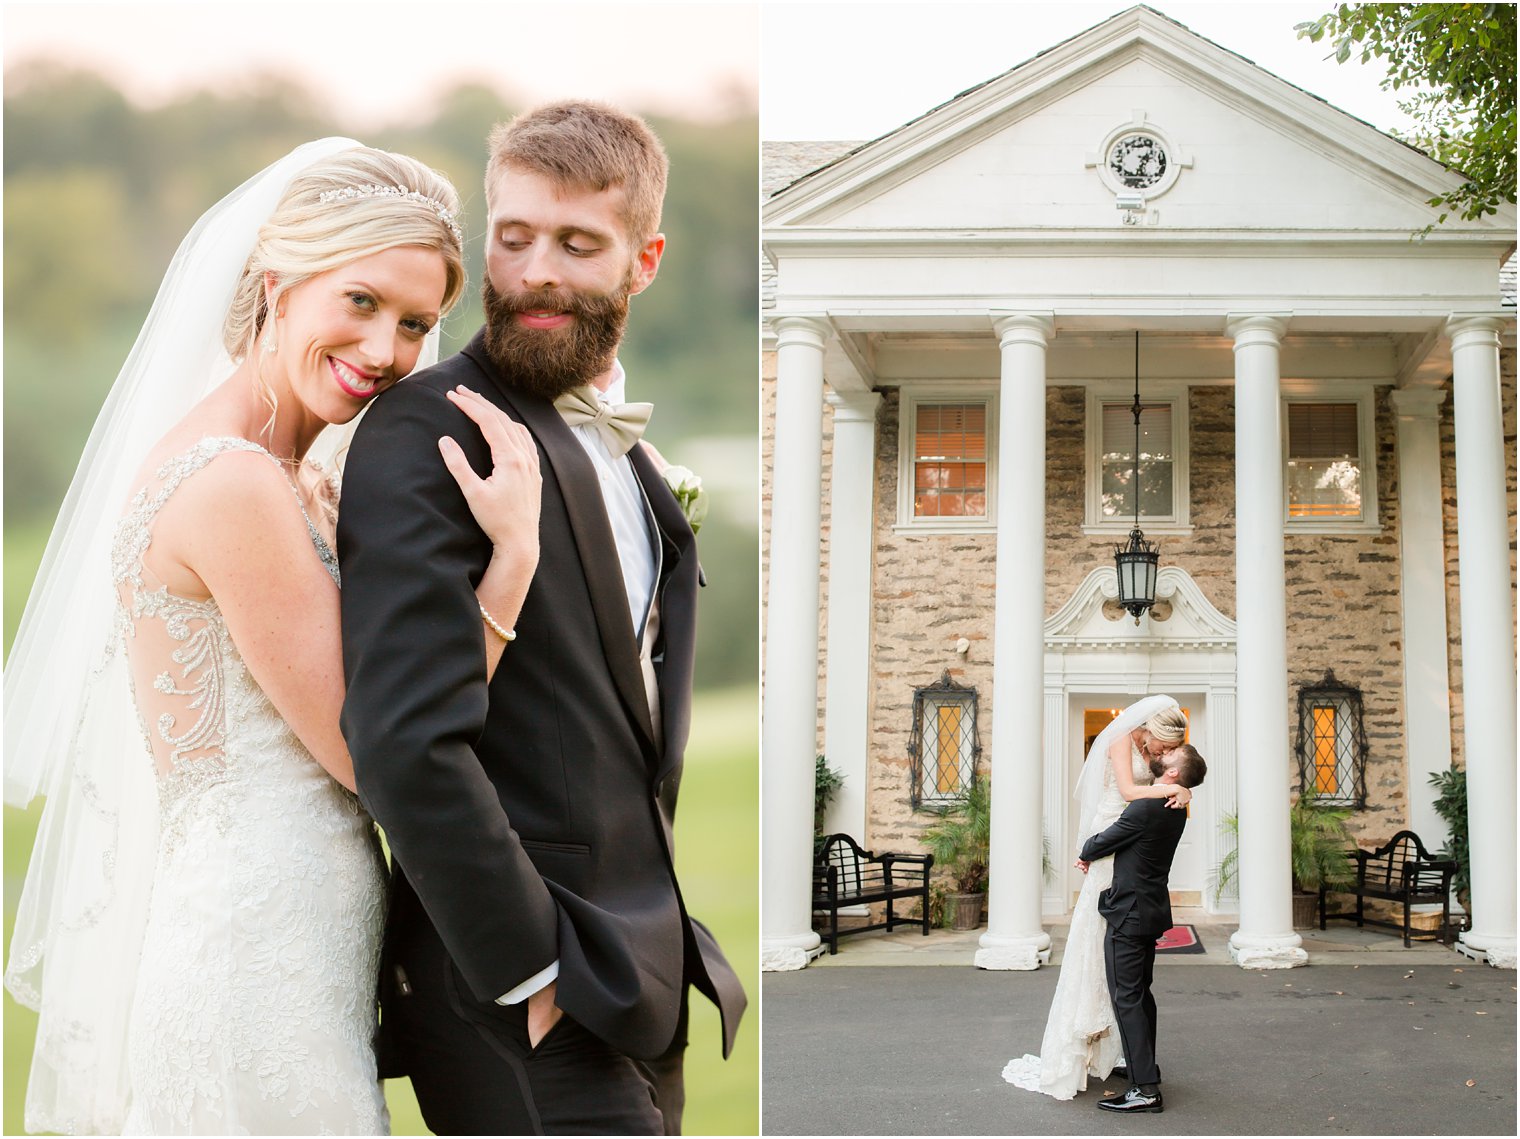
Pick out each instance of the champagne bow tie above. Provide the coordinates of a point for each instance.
(620, 424)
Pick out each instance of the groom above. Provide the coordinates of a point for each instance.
(1138, 910)
(538, 952)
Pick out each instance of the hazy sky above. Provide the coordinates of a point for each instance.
(845, 69)
(377, 63)
(857, 70)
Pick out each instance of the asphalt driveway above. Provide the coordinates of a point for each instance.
(1425, 1048)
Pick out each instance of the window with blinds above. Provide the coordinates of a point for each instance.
(950, 460)
(1157, 462)
(1324, 460)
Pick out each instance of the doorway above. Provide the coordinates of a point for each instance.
(1090, 713)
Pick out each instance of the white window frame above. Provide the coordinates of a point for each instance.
(908, 401)
(1365, 398)
(1175, 394)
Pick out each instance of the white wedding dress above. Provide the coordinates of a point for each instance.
(254, 1007)
(1081, 1035)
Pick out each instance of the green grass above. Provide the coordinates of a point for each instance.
(717, 857)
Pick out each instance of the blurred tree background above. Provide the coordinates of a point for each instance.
(99, 192)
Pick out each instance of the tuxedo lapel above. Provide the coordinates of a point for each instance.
(677, 616)
(592, 532)
(675, 531)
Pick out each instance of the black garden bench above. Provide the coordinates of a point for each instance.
(845, 875)
(1401, 870)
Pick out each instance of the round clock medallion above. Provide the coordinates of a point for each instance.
(1137, 161)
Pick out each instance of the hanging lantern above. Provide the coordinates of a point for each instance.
(1135, 561)
(1136, 565)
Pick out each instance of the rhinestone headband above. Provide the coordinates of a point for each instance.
(354, 193)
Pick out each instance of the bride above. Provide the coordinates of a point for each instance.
(199, 928)
(1081, 1034)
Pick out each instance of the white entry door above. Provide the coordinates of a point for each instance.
(1089, 714)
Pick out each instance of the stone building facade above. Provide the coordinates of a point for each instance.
(893, 277)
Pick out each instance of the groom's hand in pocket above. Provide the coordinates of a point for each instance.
(543, 1013)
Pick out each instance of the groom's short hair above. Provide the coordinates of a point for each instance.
(588, 146)
(1190, 766)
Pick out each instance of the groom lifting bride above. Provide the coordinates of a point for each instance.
(1138, 910)
(1133, 791)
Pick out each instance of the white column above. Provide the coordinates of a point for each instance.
(847, 683)
(1015, 938)
(1488, 625)
(789, 720)
(1265, 939)
(1054, 897)
(1422, 561)
(1222, 780)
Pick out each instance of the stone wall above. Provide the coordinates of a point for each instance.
(1343, 591)
(1343, 598)
(1345, 613)
(927, 591)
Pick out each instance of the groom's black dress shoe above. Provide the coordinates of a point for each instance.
(1134, 1100)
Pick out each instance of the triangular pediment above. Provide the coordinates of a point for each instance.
(1027, 151)
(1182, 619)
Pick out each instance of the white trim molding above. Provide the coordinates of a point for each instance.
(1198, 624)
(1189, 654)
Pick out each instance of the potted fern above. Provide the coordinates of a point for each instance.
(1451, 805)
(959, 843)
(1318, 842)
(826, 784)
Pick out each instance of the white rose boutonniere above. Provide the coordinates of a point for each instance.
(687, 487)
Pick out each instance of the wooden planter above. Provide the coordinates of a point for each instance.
(965, 910)
(1305, 911)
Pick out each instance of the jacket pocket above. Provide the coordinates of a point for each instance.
(566, 864)
(532, 844)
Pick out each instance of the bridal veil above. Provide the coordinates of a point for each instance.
(1089, 789)
(71, 731)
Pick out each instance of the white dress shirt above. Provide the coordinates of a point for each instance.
(629, 515)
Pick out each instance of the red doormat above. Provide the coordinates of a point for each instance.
(1179, 939)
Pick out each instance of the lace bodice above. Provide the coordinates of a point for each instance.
(191, 686)
(134, 531)
(254, 1008)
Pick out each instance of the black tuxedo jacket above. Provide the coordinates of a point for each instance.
(532, 819)
(1143, 841)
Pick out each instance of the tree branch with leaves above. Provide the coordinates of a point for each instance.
(1455, 65)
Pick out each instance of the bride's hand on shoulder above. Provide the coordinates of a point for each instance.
(1180, 798)
(506, 504)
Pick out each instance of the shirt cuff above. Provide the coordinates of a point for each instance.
(533, 984)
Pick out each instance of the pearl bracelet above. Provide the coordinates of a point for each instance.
(508, 635)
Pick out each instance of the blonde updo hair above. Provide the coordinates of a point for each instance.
(1168, 727)
(306, 236)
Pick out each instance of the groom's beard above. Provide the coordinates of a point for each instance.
(550, 361)
(1158, 769)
